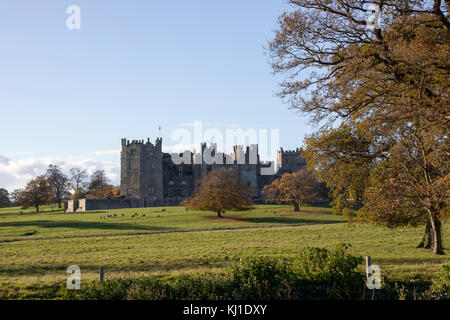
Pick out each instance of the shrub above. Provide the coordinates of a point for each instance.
(441, 285)
(328, 274)
(315, 274)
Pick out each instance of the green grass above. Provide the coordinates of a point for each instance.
(168, 243)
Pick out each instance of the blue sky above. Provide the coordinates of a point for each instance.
(69, 96)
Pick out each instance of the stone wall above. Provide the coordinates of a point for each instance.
(83, 205)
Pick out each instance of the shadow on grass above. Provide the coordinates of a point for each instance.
(271, 220)
(411, 261)
(159, 266)
(79, 225)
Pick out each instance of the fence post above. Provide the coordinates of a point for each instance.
(368, 265)
(102, 272)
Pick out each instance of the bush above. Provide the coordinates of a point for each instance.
(315, 274)
(441, 285)
(260, 278)
(328, 274)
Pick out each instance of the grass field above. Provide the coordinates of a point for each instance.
(37, 248)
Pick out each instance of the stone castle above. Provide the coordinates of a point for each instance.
(150, 177)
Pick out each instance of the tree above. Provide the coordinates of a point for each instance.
(388, 87)
(15, 196)
(37, 192)
(4, 198)
(298, 189)
(79, 194)
(219, 192)
(112, 192)
(78, 179)
(99, 185)
(58, 182)
(341, 157)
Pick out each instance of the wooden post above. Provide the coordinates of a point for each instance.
(102, 272)
(368, 265)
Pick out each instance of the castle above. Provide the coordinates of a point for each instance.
(150, 177)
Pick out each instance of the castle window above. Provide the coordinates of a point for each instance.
(153, 165)
(151, 190)
(180, 171)
(130, 191)
(171, 183)
(183, 183)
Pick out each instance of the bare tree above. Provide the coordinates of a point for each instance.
(78, 179)
(15, 196)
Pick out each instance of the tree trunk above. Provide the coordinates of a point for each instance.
(37, 208)
(436, 236)
(219, 215)
(296, 207)
(427, 239)
(59, 203)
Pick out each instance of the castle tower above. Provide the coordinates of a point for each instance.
(290, 160)
(141, 170)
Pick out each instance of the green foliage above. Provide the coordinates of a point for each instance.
(441, 285)
(4, 198)
(334, 272)
(316, 274)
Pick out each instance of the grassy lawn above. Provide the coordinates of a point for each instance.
(38, 247)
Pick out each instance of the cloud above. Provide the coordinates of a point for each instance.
(16, 173)
(4, 160)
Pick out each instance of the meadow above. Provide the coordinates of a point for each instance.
(37, 248)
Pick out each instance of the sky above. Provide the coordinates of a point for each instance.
(68, 96)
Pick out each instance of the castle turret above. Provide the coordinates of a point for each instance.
(290, 160)
(141, 170)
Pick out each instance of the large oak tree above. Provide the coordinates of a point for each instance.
(298, 189)
(381, 95)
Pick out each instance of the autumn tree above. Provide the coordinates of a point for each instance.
(298, 189)
(342, 158)
(221, 191)
(388, 86)
(59, 184)
(99, 186)
(4, 198)
(36, 193)
(112, 192)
